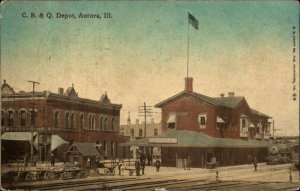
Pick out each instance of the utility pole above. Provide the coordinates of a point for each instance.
(32, 120)
(145, 111)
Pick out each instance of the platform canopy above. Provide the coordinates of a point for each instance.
(18, 136)
(183, 138)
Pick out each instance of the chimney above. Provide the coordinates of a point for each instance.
(230, 94)
(152, 120)
(60, 91)
(222, 94)
(137, 121)
(189, 84)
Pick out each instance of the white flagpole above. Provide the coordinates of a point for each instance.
(188, 47)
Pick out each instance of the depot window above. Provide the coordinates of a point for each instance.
(171, 122)
(202, 121)
(244, 123)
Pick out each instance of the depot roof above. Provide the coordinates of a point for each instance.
(183, 138)
(229, 102)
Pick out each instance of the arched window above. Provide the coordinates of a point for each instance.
(32, 117)
(93, 122)
(101, 122)
(113, 124)
(10, 118)
(56, 120)
(67, 120)
(105, 124)
(81, 122)
(72, 119)
(22, 118)
(90, 121)
(2, 118)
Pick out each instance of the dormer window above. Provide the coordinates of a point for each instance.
(202, 121)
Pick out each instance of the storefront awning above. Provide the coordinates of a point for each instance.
(56, 141)
(18, 136)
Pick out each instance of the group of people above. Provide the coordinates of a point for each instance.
(141, 163)
(139, 166)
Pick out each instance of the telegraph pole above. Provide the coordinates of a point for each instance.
(145, 111)
(32, 120)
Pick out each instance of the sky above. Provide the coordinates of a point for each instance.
(140, 54)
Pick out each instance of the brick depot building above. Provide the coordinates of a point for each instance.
(204, 127)
(65, 114)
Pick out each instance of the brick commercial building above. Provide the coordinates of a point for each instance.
(65, 114)
(203, 128)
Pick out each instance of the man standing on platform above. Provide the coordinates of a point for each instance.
(137, 167)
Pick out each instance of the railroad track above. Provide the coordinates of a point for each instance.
(187, 180)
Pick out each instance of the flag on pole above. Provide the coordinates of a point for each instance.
(193, 21)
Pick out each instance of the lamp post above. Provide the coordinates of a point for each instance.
(32, 120)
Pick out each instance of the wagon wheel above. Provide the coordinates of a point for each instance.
(80, 175)
(64, 175)
(106, 171)
(113, 172)
(29, 176)
(50, 175)
(97, 171)
(40, 175)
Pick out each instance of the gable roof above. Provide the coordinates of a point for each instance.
(86, 149)
(255, 112)
(230, 102)
(197, 139)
